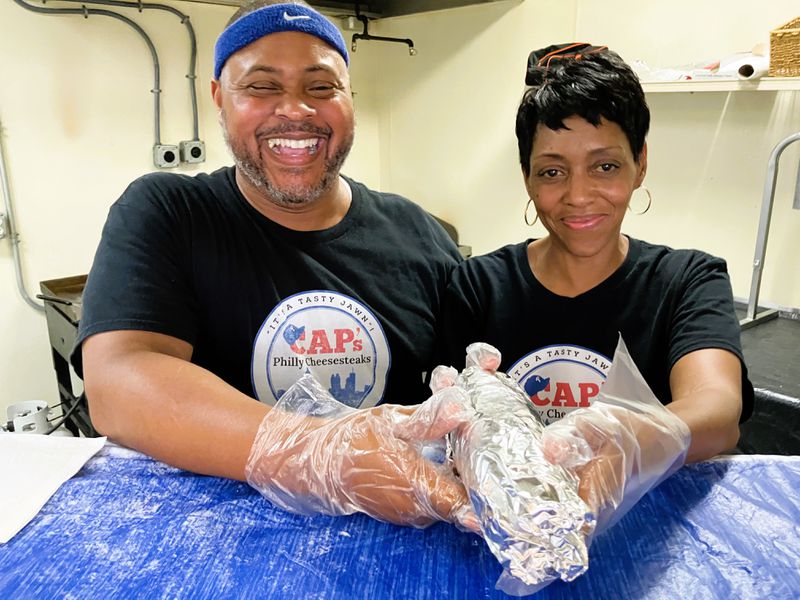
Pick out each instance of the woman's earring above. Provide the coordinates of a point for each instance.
(649, 202)
(527, 207)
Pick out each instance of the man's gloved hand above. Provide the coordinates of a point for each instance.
(315, 455)
(618, 453)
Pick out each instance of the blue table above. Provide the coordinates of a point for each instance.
(130, 527)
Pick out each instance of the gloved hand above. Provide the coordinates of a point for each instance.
(619, 453)
(315, 455)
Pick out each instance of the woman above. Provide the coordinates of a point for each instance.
(555, 306)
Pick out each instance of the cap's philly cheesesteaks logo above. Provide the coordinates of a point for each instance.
(559, 379)
(330, 335)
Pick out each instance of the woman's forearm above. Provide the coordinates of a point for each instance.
(707, 396)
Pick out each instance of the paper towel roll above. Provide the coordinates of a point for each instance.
(755, 68)
(745, 66)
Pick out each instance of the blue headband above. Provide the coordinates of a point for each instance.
(272, 19)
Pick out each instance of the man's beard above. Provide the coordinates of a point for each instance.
(252, 167)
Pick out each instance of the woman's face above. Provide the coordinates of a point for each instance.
(581, 182)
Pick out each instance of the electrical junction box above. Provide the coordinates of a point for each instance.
(165, 156)
(193, 151)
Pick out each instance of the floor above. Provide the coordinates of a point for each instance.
(772, 354)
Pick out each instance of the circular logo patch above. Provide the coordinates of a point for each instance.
(330, 335)
(559, 379)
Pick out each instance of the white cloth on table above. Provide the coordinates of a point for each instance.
(32, 468)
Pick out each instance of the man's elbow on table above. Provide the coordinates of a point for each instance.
(102, 408)
(98, 387)
(99, 412)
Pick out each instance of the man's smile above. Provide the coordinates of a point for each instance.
(292, 147)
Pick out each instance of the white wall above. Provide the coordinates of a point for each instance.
(447, 124)
(447, 114)
(77, 127)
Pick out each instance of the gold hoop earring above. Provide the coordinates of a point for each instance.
(649, 202)
(527, 221)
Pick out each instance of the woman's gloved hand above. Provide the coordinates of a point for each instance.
(618, 453)
(314, 455)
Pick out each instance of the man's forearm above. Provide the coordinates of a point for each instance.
(173, 411)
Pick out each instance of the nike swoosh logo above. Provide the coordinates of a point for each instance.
(289, 17)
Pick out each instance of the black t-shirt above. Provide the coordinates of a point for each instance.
(665, 303)
(262, 304)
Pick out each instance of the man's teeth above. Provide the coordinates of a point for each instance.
(287, 143)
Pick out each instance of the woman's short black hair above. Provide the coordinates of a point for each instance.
(595, 86)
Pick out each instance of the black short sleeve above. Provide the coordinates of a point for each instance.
(704, 316)
(140, 278)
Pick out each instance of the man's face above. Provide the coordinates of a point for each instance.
(287, 115)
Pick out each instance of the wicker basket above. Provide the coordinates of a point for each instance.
(784, 50)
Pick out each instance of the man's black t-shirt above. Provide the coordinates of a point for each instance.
(261, 304)
(665, 303)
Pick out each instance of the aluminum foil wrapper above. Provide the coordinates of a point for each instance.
(529, 510)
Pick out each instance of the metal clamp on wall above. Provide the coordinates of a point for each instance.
(366, 35)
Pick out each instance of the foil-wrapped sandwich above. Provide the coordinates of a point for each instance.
(529, 510)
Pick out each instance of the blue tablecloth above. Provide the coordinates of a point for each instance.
(129, 527)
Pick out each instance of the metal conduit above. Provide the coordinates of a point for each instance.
(86, 12)
(12, 230)
(191, 75)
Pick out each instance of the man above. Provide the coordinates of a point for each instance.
(209, 291)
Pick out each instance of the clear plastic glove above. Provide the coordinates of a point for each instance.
(622, 446)
(314, 455)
